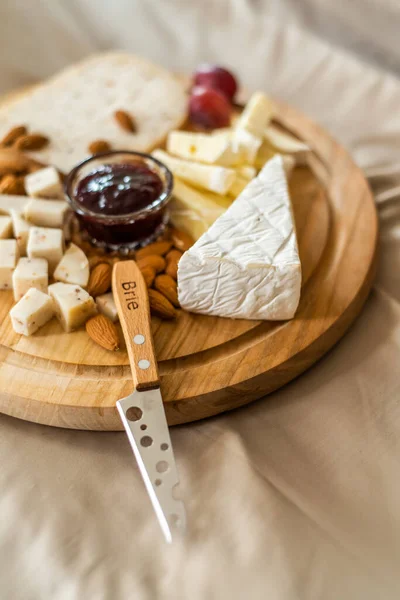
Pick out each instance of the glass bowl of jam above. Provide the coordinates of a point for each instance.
(120, 198)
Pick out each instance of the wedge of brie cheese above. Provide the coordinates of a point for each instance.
(210, 177)
(247, 264)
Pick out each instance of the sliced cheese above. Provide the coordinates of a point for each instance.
(247, 171)
(209, 205)
(44, 183)
(5, 228)
(32, 312)
(46, 242)
(256, 115)
(247, 264)
(286, 143)
(238, 186)
(73, 267)
(46, 213)
(21, 229)
(8, 261)
(73, 305)
(210, 177)
(246, 145)
(30, 273)
(202, 147)
(106, 306)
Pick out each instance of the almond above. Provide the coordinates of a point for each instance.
(10, 184)
(13, 135)
(160, 305)
(100, 279)
(167, 286)
(159, 248)
(103, 331)
(31, 141)
(125, 121)
(99, 146)
(181, 240)
(154, 261)
(173, 257)
(148, 275)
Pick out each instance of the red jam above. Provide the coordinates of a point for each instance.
(119, 189)
(120, 199)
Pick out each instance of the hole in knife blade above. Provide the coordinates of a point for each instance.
(143, 427)
(158, 482)
(164, 446)
(134, 413)
(162, 466)
(146, 441)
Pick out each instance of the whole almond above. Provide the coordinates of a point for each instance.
(13, 135)
(31, 141)
(153, 261)
(159, 248)
(148, 275)
(181, 240)
(100, 279)
(10, 185)
(99, 146)
(125, 121)
(167, 286)
(173, 257)
(160, 305)
(103, 331)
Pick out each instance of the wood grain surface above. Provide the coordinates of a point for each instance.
(209, 364)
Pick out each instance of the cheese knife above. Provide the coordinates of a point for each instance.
(142, 412)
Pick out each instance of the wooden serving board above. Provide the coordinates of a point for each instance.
(208, 364)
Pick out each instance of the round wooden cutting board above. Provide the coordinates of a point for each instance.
(209, 364)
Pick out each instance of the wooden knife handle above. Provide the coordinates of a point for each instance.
(132, 301)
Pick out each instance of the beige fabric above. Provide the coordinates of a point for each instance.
(294, 497)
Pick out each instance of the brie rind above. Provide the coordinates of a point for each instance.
(247, 264)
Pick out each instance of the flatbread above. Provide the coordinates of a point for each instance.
(76, 107)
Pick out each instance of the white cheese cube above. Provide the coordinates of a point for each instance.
(202, 147)
(44, 242)
(44, 183)
(30, 273)
(9, 202)
(5, 228)
(247, 264)
(8, 260)
(73, 306)
(46, 213)
(256, 115)
(106, 306)
(21, 229)
(210, 177)
(32, 311)
(73, 267)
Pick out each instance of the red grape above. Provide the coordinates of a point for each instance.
(209, 108)
(217, 78)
